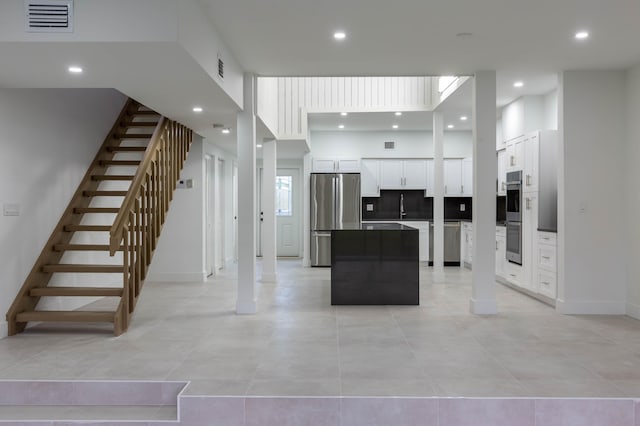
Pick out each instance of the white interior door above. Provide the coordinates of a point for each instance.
(259, 213)
(288, 212)
(218, 216)
(210, 209)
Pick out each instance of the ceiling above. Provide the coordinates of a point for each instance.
(522, 40)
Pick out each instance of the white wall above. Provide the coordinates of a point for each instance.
(179, 255)
(353, 144)
(591, 193)
(550, 120)
(48, 139)
(632, 162)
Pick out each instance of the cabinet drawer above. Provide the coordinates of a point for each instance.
(547, 257)
(547, 238)
(546, 282)
(514, 273)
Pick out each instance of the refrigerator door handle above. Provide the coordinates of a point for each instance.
(338, 196)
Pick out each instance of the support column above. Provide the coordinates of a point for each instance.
(438, 196)
(485, 171)
(246, 302)
(269, 248)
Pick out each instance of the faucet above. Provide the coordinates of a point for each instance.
(402, 213)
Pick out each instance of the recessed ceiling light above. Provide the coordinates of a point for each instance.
(75, 70)
(226, 131)
(344, 114)
(518, 84)
(463, 118)
(259, 146)
(395, 126)
(197, 109)
(341, 126)
(581, 35)
(339, 35)
(398, 113)
(450, 126)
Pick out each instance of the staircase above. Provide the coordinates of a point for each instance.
(115, 216)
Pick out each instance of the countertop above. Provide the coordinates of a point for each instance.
(384, 226)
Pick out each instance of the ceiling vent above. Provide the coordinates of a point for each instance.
(220, 67)
(389, 145)
(49, 16)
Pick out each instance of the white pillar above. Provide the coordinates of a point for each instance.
(269, 249)
(246, 302)
(483, 300)
(306, 211)
(438, 196)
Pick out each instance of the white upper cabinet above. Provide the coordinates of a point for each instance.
(452, 177)
(415, 174)
(502, 172)
(333, 165)
(458, 177)
(467, 177)
(403, 174)
(531, 162)
(515, 154)
(370, 178)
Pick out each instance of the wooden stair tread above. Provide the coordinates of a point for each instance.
(120, 162)
(91, 228)
(66, 316)
(139, 124)
(77, 291)
(112, 177)
(104, 193)
(132, 136)
(144, 112)
(96, 210)
(83, 247)
(126, 148)
(80, 268)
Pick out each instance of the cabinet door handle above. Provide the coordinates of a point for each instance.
(378, 190)
(512, 160)
(528, 180)
(496, 246)
(445, 189)
(512, 275)
(462, 189)
(545, 283)
(546, 257)
(504, 186)
(528, 203)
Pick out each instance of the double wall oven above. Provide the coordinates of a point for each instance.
(514, 217)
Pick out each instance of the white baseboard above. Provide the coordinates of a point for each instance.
(591, 308)
(180, 277)
(633, 310)
(4, 329)
(483, 307)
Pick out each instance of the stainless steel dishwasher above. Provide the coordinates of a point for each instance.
(451, 243)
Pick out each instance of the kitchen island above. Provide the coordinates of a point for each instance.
(377, 264)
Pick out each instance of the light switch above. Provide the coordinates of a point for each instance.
(11, 209)
(463, 207)
(185, 183)
(369, 207)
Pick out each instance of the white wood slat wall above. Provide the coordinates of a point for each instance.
(298, 96)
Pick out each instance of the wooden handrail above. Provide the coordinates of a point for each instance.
(122, 218)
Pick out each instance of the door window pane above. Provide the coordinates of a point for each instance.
(283, 195)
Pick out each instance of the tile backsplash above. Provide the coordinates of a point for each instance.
(387, 206)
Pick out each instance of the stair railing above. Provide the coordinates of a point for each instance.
(137, 225)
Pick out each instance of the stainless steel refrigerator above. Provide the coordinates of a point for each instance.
(335, 204)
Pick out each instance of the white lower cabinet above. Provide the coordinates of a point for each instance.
(466, 244)
(501, 247)
(547, 264)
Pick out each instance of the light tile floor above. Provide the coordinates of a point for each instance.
(298, 344)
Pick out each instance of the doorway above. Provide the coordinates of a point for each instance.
(218, 227)
(209, 215)
(288, 212)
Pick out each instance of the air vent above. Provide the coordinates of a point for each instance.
(220, 68)
(49, 16)
(389, 145)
